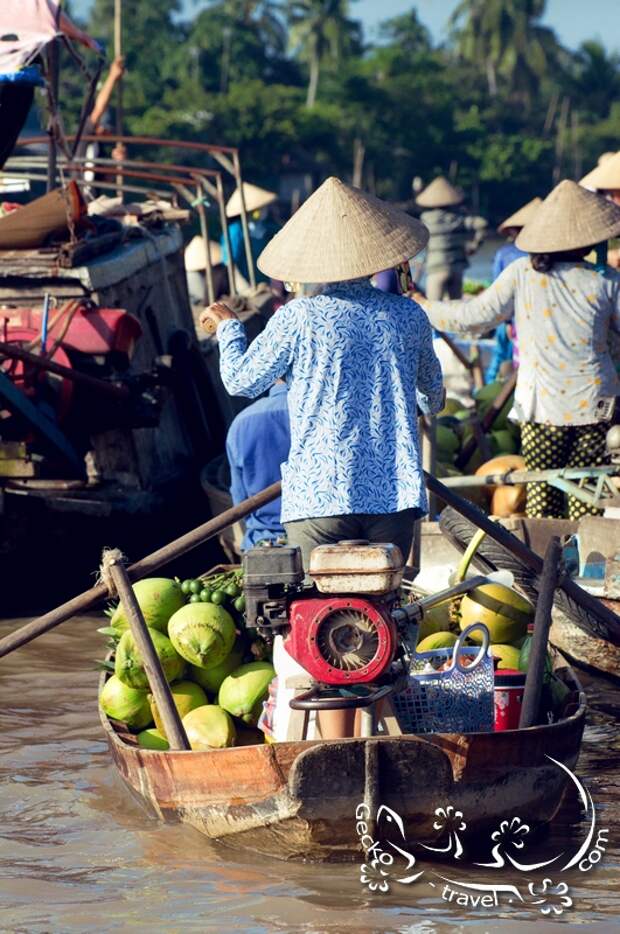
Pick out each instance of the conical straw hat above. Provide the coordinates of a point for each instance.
(440, 194)
(341, 233)
(195, 254)
(521, 217)
(255, 199)
(606, 174)
(569, 218)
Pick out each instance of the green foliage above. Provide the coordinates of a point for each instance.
(292, 83)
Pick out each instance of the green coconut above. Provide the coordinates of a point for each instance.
(448, 443)
(211, 678)
(152, 739)
(504, 612)
(202, 633)
(507, 655)
(130, 668)
(158, 598)
(186, 696)
(124, 703)
(242, 693)
(451, 407)
(437, 640)
(486, 396)
(524, 660)
(503, 442)
(209, 727)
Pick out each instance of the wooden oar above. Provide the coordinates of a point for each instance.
(608, 620)
(487, 420)
(185, 543)
(180, 546)
(173, 727)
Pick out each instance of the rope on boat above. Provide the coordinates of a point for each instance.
(109, 557)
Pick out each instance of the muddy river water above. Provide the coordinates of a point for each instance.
(77, 853)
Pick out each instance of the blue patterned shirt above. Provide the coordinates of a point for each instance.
(356, 361)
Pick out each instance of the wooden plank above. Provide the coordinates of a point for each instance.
(21, 404)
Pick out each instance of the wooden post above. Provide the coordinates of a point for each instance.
(173, 727)
(488, 419)
(542, 625)
(429, 456)
(607, 624)
(53, 68)
(118, 51)
(209, 297)
(230, 263)
(244, 221)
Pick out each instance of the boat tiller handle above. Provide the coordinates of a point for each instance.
(314, 699)
(414, 612)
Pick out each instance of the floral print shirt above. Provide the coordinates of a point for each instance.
(565, 319)
(356, 361)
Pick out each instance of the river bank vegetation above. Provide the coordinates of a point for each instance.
(500, 105)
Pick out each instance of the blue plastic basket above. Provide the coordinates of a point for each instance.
(459, 699)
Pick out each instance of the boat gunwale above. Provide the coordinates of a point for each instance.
(573, 718)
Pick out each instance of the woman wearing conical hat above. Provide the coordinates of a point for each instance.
(605, 179)
(566, 312)
(354, 358)
(453, 234)
(505, 349)
(257, 200)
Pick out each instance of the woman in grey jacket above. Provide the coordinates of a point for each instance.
(453, 235)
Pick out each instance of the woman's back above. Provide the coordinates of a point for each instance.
(563, 318)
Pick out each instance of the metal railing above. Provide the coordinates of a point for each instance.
(197, 185)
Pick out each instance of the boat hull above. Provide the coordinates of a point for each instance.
(299, 800)
(585, 649)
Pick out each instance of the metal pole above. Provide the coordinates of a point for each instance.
(173, 727)
(542, 624)
(118, 51)
(244, 221)
(204, 231)
(232, 284)
(143, 568)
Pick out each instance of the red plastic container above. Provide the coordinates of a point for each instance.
(509, 688)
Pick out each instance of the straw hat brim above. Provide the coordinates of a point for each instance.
(195, 254)
(521, 217)
(605, 176)
(341, 233)
(255, 199)
(440, 194)
(569, 218)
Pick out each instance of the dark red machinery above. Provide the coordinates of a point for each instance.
(65, 375)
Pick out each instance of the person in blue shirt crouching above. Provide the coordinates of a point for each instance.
(257, 445)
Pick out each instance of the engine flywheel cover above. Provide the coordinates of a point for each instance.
(343, 640)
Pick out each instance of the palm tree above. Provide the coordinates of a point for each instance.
(262, 15)
(508, 38)
(320, 31)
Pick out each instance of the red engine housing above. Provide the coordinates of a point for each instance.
(306, 639)
(92, 330)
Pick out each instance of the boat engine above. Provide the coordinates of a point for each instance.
(344, 627)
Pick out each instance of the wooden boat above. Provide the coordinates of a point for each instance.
(580, 638)
(585, 649)
(297, 800)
